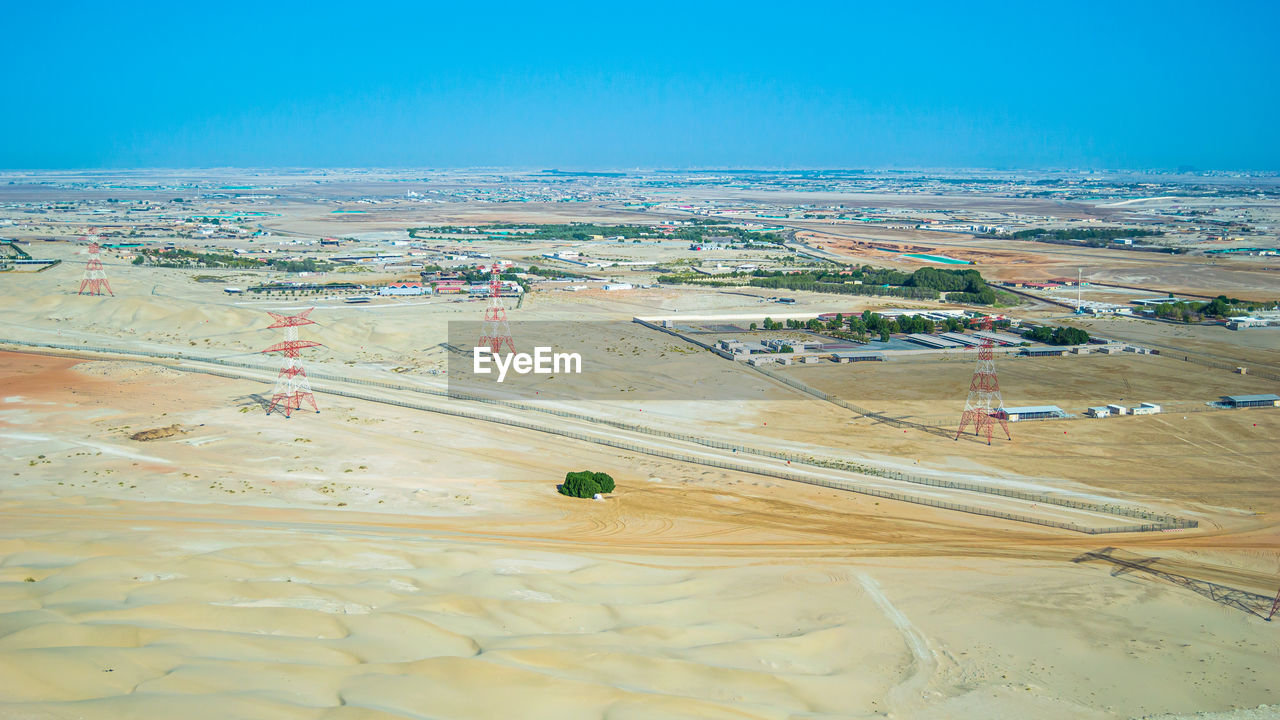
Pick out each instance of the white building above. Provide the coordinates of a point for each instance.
(1033, 412)
(404, 288)
(1145, 409)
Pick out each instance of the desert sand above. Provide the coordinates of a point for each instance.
(167, 549)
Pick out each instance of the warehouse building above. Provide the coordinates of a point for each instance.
(999, 338)
(932, 341)
(1248, 401)
(1042, 352)
(778, 344)
(404, 288)
(960, 338)
(847, 356)
(1145, 409)
(1033, 412)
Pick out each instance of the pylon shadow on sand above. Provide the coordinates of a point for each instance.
(254, 399)
(1261, 606)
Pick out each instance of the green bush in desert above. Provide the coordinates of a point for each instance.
(586, 484)
(580, 485)
(604, 480)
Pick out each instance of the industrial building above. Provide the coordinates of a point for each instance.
(738, 347)
(1248, 401)
(1033, 412)
(933, 341)
(847, 356)
(1145, 409)
(1245, 323)
(961, 338)
(1042, 352)
(404, 288)
(937, 315)
(999, 338)
(777, 345)
(1114, 410)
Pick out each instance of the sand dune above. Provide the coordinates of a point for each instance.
(372, 562)
(239, 578)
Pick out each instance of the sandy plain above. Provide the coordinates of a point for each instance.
(220, 573)
(376, 562)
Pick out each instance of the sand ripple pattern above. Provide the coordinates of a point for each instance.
(211, 624)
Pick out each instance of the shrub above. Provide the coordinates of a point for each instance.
(585, 484)
(580, 484)
(604, 480)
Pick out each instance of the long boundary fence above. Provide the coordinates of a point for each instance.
(1156, 521)
(1221, 365)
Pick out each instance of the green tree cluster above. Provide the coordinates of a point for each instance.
(1181, 311)
(586, 484)
(582, 231)
(924, 284)
(1059, 335)
(1110, 233)
(1219, 307)
(180, 258)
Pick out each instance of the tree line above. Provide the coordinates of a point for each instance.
(967, 286)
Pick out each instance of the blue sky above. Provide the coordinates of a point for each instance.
(673, 85)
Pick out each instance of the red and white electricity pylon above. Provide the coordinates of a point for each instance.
(496, 333)
(95, 278)
(984, 407)
(292, 386)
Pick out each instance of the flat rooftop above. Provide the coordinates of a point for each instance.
(853, 354)
(933, 341)
(1028, 409)
(999, 337)
(961, 338)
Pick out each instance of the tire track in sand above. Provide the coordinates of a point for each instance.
(906, 695)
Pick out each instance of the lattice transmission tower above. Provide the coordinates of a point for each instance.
(496, 333)
(292, 387)
(984, 407)
(95, 278)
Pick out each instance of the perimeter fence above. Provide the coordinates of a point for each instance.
(1157, 521)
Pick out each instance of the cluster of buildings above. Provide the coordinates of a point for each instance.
(779, 351)
(1053, 412)
(1050, 284)
(1103, 411)
(573, 257)
(1259, 320)
(936, 315)
(510, 288)
(453, 286)
(976, 228)
(955, 340)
